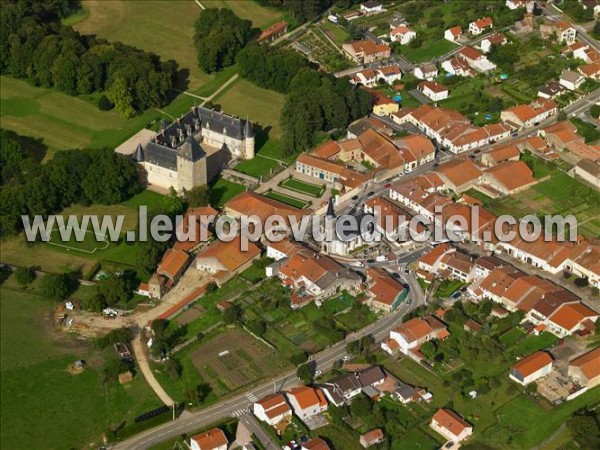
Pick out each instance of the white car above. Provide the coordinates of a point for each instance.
(318, 373)
(346, 358)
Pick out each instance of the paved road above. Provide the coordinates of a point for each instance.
(251, 423)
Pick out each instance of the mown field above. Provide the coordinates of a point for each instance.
(260, 16)
(43, 405)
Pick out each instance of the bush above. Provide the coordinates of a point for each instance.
(581, 282)
(300, 358)
(25, 275)
(104, 104)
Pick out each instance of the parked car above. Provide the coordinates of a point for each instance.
(318, 373)
(346, 358)
(355, 197)
(388, 185)
(370, 193)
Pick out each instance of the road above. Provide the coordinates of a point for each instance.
(324, 361)
(257, 430)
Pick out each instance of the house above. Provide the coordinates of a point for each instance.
(450, 425)
(286, 248)
(571, 80)
(316, 275)
(459, 67)
(500, 155)
(524, 116)
(334, 174)
(480, 25)
(429, 262)
(273, 32)
(366, 51)
(213, 439)
(420, 194)
(472, 326)
(492, 39)
(384, 292)
(370, 77)
(315, 444)
(405, 393)
(583, 261)
(585, 370)
(426, 71)
(367, 78)
(307, 401)
(372, 437)
(456, 265)
(551, 90)
(371, 376)
(588, 171)
(433, 90)
(342, 389)
(476, 60)
(453, 34)
(564, 31)
(590, 70)
(402, 34)
(584, 151)
(531, 368)
(272, 409)
(514, 4)
(369, 8)
(508, 178)
(389, 74)
(459, 174)
(173, 264)
(195, 228)
(561, 134)
(382, 104)
(570, 318)
(225, 259)
(409, 336)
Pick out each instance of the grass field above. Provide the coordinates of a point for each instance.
(91, 242)
(36, 384)
(428, 51)
(288, 200)
(260, 16)
(62, 121)
(223, 191)
(164, 28)
(257, 166)
(261, 106)
(314, 190)
(587, 130)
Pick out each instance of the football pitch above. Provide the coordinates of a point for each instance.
(90, 244)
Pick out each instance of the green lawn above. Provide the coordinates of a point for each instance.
(314, 190)
(223, 191)
(335, 32)
(63, 121)
(260, 16)
(429, 51)
(262, 106)
(36, 385)
(257, 166)
(292, 201)
(532, 344)
(447, 288)
(415, 439)
(587, 130)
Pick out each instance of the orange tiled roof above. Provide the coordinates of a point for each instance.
(570, 315)
(484, 22)
(420, 327)
(380, 149)
(230, 254)
(172, 262)
(459, 171)
(455, 31)
(273, 29)
(368, 47)
(385, 289)
(512, 174)
(307, 396)
(503, 153)
(211, 439)
(589, 363)
(432, 86)
(532, 363)
(451, 421)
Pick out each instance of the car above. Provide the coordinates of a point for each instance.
(515, 134)
(346, 358)
(477, 151)
(355, 197)
(370, 193)
(406, 270)
(449, 444)
(388, 185)
(318, 373)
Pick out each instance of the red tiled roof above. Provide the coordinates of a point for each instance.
(532, 363)
(588, 363)
(211, 439)
(451, 421)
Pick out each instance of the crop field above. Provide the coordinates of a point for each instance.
(561, 194)
(232, 360)
(36, 384)
(314, 190)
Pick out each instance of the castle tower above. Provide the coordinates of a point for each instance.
(191, 165)
(249, 140)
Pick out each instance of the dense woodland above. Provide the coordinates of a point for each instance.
(35, 46)
(74, 176)
(314, 101)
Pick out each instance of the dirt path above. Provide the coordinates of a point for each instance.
(142, 361)
(218, 91)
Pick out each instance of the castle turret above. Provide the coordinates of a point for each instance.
(249, 139)
(139, 154)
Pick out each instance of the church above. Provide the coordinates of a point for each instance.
(195, 148)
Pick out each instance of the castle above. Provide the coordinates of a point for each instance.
(195, 148)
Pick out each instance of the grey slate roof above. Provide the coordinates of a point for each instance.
(370, 375)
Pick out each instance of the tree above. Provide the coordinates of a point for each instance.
(428, 349)
(116, 288)
(58, 286)
(197, 196)
(299, 358)
(232, 314)
(119, 94)
(172, 368)
(25, 275)
(198, 394)
(353, 347)
(305, 373)
(361, 407)
(257, 327)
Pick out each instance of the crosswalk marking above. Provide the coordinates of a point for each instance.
(239, 413)
(250, 396)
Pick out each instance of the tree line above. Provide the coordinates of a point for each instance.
(74, 176)
(35, 46)
(314, 102)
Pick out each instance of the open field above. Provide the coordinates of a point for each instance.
(292, 201)
(164, 28)
(260, 16)
(73, 256)
(257, 166)
(314, 190)
(428, 51)
(234, 359)
(36, 384)
(261, 106)
(561, 194)
(62, 121)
